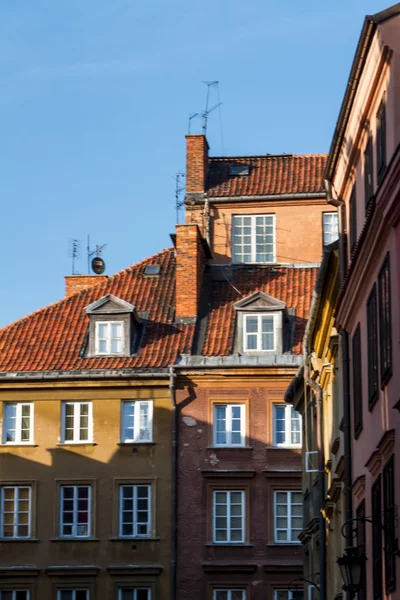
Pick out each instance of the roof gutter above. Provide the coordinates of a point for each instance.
(258, 197)
(65, 375)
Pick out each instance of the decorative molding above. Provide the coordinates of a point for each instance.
(283, 474)
(71, 570)
(358, 487)
(335, 489)
(261, 301)
(228, 473)
(135, 570)
(374, 463)
(28, 571)
(339, 470)
(229, 567)
(386, 444)
(121, 306)
(335, 445)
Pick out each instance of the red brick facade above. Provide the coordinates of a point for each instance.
(189, 270)
(77, 283)
(196, 163)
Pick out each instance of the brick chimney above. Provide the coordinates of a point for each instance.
(196, 164)
(189, 270)
(77, 283)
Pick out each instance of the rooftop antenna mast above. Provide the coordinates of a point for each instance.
(207, 111)
(179, 188)
(96, 252)
(74, 252)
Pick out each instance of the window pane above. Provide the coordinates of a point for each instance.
(220, 424)
(142, 595)
(128, 421)
(221, 595)
(81, 595)
(251, 324)
(10, 421)
(126, 594)
(102, 330)
(144, 421)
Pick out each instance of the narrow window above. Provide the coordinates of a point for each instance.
(253, 238)
(377, 540)
(109, 337)
(372, 332)
(229, 594)
(16, 511)
(381, 138)
(14, 595)
(77, 425)
(368, 172)
(228, 516)
(385, 321)
(357, 383)
(330, 225)
(259, 333)
(353, 219)
(287, 426)
(361, 548)
(18, 423)
(75, 594)
(390, 517)
(229, 425)
(288, 516)
(137, 421)
(75, 511)
(134, 594)
(135, 511)
(288, 594)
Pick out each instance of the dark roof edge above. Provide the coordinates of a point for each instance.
(84, 374)
(386, 14)
(258, 197)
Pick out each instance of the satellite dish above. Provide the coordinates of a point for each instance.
(98, 265)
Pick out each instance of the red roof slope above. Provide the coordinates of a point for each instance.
(285, 174)
(294, 286)
(53, 338)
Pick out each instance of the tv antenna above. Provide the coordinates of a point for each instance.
(93, 253)
(74, 252)
(179, 188)
(204, 114)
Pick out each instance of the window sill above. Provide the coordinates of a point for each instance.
(61, 444)
(136, 443)
(283, 447)
(6, 539)
(228, 545)
(230, 448)
(134, 539)
(74, 539)
(19, 445)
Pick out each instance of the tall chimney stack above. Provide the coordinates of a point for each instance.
(189, 271)
(77, 283)
(196, 164)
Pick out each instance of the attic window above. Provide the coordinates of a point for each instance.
(152, 270)
(239, 170)
(109, 337)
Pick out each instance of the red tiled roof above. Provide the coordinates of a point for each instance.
(294, 286)
(53, 338)
(285, 174)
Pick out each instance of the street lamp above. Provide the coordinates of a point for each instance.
(351, 565)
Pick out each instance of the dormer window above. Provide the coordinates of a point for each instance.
(109, 337)
(114, 328)
(259, 332)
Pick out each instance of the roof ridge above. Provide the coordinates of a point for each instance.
(81, 292)
(288, 155)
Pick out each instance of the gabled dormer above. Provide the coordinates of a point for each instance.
(114, 327)
(260, 324)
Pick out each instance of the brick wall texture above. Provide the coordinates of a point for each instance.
(196, 163)
(77, 283)
(189, 270)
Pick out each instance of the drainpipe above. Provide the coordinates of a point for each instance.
(172, 378)
(207, 215)
(321, 480)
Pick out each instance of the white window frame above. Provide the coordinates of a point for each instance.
(336, 218)
(259, 331)
(229, 592)
(75, 524)
(253, 239)
(137, 439)
(108, 338)
(73, 590)
(16, 512)
(288, 591)
(18, 423)
(14, 593)
(77, 415)
(288, 426)
(134, 590)
(228, 517)
(288, 529)
(228, 429)
(135, 511)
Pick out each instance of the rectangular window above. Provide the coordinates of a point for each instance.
(14, 595)
(228, 516)
(134, 510)
(377, 540)
(229, 594)
(288, 594)
(75, 513)
(109, 337)
(330, 226)
(357, 383)
(229, 425)
(287, 426)
(381, 138)
(288, 516)
(80, 594)
(134, 594)
(385, 321)
(253, 238)
(353, 219)
(390, 518)
(17, 423)
(368, 172)
(259, 333)
(77, 424)
(372, 332)
(137, 421)
(16, 511)
(361, 548)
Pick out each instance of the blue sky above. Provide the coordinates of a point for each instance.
(94, 103)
